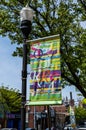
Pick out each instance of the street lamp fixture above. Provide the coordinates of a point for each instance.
(26, 16)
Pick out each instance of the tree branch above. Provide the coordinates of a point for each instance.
(83, 3)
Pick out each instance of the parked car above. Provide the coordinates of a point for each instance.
(82, 125)
(8, 129)
(29, 129)
(68, 127)
(82, 128)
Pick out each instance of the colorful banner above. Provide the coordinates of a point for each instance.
(45, 74)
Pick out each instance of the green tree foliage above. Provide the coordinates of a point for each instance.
(80, 114)
(10, 100)
(52, 17)
(83, 3)
(84, 101)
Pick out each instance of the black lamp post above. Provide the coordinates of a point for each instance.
(26, 16)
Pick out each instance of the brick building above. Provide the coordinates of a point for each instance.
(40, 117)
